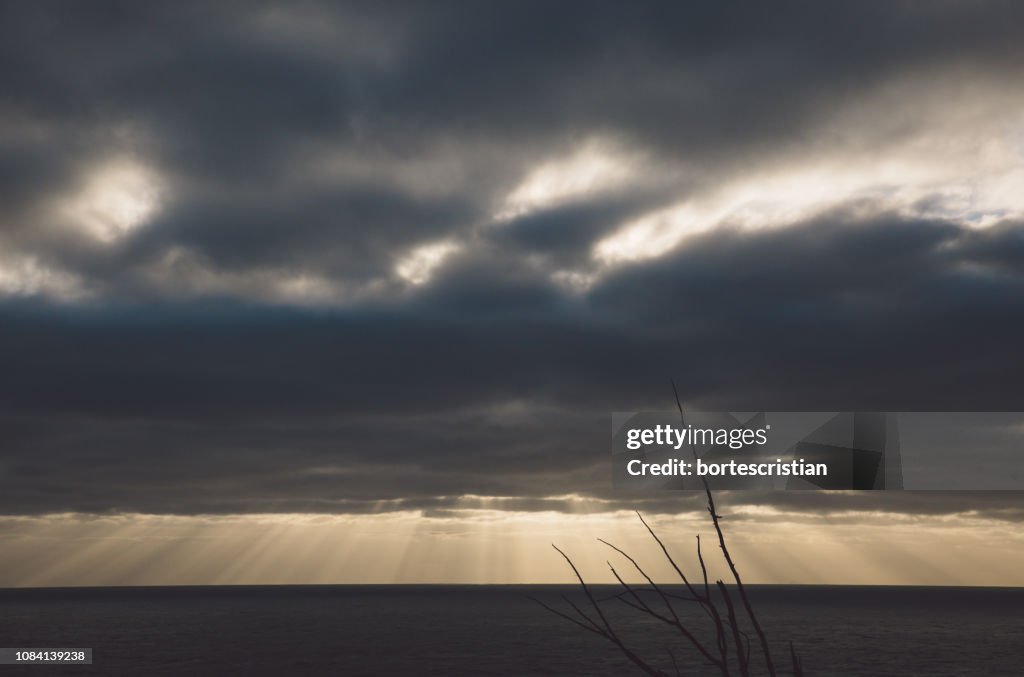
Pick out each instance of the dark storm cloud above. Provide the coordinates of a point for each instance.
(330, 140)
(228, 407)
(562, 234)
(228, 97)
(348, 233)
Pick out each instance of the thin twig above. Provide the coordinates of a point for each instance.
(734, 624)
(719, 630)
(608, 632)
(675, 666)
(567, 617)
(643, 606)
(715, 517)
(798, 665)
(739, 583)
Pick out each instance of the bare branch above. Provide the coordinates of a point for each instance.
(734, 624)
(608, 633)
(739, 582)
(654, 586)
(675, 666)
(631, 596)
(644, 607)
(715, 517)
(703, 569)
(798, 665)
(579, 612)
(722, 646)
(569, 618)
(671, 561)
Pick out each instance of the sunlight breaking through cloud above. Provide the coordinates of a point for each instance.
(27, 276)
(419, 265)
(935, 186)
(592, 167)
(482, 545)
(114, 199)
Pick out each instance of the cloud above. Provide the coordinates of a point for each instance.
(327, 257)
(472, 387)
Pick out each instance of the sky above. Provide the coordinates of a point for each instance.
(346, 292)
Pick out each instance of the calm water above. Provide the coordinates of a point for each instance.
(492, 630)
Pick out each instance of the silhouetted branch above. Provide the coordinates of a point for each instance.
(569, 618)
(704, 600)
(798, 665)
(735, 626)
(715, 517)
(719, 631)
(643, 606)
(632, 597)
(675, 665)
(607, 632)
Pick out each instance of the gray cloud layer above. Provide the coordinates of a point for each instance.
(208, 216)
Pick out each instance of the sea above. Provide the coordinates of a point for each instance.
(501, 630)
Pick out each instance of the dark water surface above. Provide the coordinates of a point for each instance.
(493, 630)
